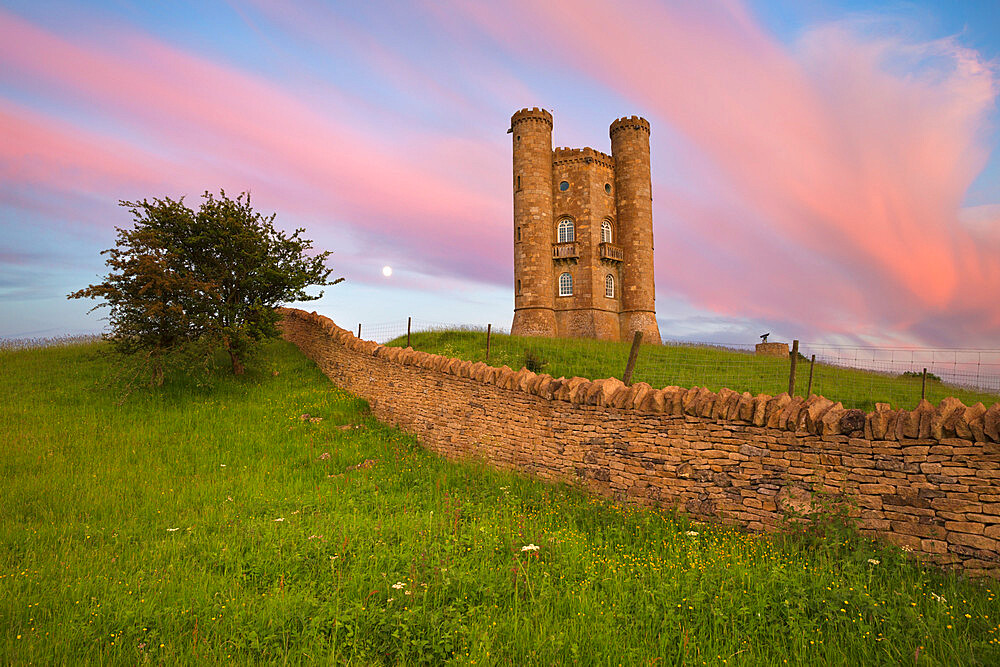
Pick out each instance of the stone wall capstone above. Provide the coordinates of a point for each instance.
(927, 479)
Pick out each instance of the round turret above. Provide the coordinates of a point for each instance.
(531, 134)
(634, 202)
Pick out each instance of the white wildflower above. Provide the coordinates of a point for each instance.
(390, 599)
(938, 598)
(530, 547)
(398, 585)
(280, 519)
(874, 561)
(907, 548)
(170, 530)
(692, 533)
(406, 593)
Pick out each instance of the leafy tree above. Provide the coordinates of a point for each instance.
(215, 276)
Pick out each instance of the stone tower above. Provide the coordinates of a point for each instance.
(583, 233)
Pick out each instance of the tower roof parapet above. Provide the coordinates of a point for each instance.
(532, 114)
(630, 123)
(563, 155)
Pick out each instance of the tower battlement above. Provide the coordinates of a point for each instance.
(629, 123)
(583, 233)
(532, 114)
(585, 155)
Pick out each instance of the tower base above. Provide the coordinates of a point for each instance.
(640, 320)
(587, 323)
(534, 322)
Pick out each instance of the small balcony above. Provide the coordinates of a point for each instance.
(565, 251)
(612, 252)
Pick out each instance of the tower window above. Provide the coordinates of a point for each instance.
(518, 181)
(518, 233)
(517, 291)
(566, 232)
(606, 232)
(609, 286)
(565, 285)
(564, 186)
(607, 188)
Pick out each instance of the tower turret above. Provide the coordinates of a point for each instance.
(634, 204)
(531, 133)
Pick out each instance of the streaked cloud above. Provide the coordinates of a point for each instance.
(815, 187)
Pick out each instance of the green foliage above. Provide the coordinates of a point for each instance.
(919, 375)
(191, 281)
(195, 527)
(533, 362)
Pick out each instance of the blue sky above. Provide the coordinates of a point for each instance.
(825, 171)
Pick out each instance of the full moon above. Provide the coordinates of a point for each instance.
(386, 271)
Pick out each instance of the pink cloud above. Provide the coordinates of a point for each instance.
(850, 152)
(219, 124)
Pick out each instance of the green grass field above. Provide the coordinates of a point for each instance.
(194, 525)
(690, 366)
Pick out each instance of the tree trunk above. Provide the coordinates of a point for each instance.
(237, 364)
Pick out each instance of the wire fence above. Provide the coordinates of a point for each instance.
(54, 341)
(858, 377)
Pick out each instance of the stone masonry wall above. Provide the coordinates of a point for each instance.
(928, 479)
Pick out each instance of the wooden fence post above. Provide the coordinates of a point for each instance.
(633, 354)
(489, 329)
(409, 320)
(923, 385)
(812, 362)
(359, 330)
(794, 354)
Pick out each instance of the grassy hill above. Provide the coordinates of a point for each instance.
(193, 525)
(689, 366)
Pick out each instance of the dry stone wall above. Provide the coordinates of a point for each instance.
(928, 479)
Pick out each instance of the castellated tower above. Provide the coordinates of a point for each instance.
(583, 233)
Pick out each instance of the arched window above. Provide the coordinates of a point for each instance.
(606, 232)
(565, 285)
(518, 233)
(609, 286)
(518, 290)
(566, 233)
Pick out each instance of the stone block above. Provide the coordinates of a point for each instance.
(656, 401)
(788, 418)
(991, 422)
(816, 407)
(706, 403)
(969, 527)
(774, 408)
(852, 420)
(829, 423)
(750, 450)
(940, 418)
(745, 407)
(974, 541)
(602, 391)
(639, 391)
(721, 406)
(759, 408)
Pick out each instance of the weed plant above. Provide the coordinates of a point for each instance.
(217, 525)
(691, 366)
